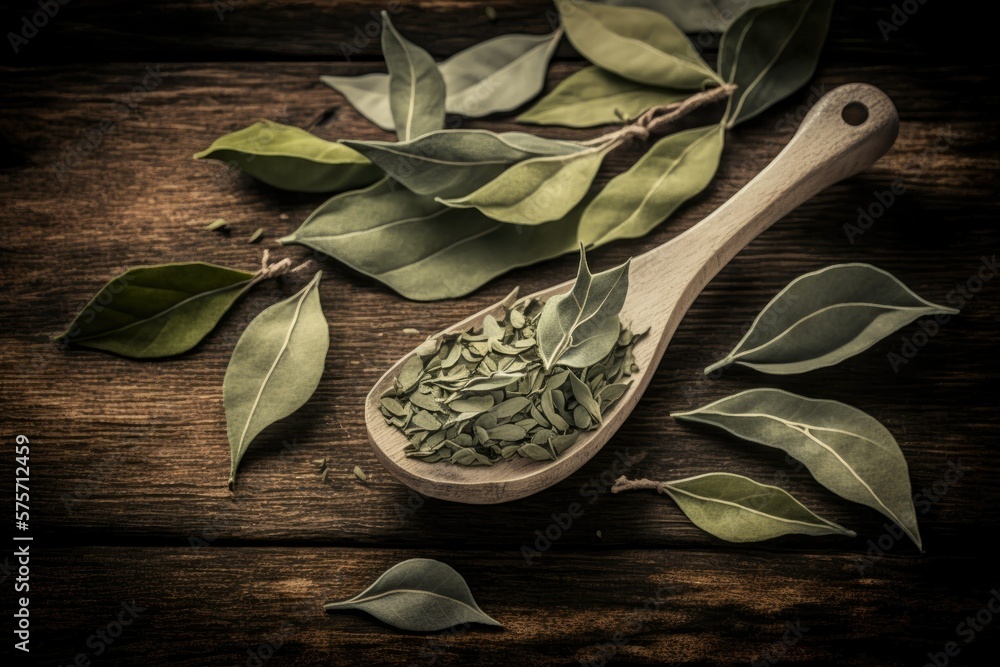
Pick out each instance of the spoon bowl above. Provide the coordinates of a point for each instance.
(843, 134)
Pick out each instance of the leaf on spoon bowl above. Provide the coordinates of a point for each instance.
(275, 368)
(493, 76)
(676, 168)
(425, 250)
(290, 158)
(821, 318)
(451, 163)
(157, 311)
(420, 595)
(577, 329)
(416, 89)
(770, 52)
(537, 190)
(638, 44)
(845, 449)
(738, 509)
(593, 97)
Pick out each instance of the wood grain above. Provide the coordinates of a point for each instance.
(133, 455)
(639, 607)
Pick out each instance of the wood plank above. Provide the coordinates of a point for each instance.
(347, 30)
(128, 450)
(224, 606)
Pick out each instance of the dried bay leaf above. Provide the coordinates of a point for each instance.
(738, 509)
(695, 16)
(594, 96)
(289, 158)
(499, 74)
(368, 93)
(676, 168)
(769, 52)
(584, 397)
(157, 311)
(846, 450)
(821, 318)
(422, 249)
(641, 45)
(451, 163)
(275, 367)
(416, 89)
(421, 595)
(537, 190)
(578, 328)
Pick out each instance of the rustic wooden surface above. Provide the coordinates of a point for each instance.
(129, 459)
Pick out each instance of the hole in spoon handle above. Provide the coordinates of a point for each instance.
(844, 133)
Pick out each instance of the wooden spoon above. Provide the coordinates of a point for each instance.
(843, 134)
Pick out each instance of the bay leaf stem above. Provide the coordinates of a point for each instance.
(656, 118)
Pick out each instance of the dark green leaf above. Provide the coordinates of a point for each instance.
(157, 311)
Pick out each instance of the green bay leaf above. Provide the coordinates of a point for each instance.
(157, 311)
(275, 367)
(770, 52)
(422, 249)
(594, 96)
(496, 75)
(499, 74)
(451, 163)
(824, 317)
(641, 45)
(416, 89)
(420, 595)
(845, 449)
(674, 169)
(578, 329)
(537, 190)
(738, 509)
(290, 158)
(695, 16)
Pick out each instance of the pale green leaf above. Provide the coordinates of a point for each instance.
(493, 76)
(416, 89)
(290, 158)
(845, 449)
(594, 96)
(770, 52)
(638, 44)
(695, 16)
(674, 169)
(738, 509)
(420, 595)
(577, 329)
(499, 74)
(157, 311)
(821, 318)
(423, 249)
(450, 163)
(537, 190)
(275, 367)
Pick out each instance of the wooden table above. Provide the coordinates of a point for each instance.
(129, 459)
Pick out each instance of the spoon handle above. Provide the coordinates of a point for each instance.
(844, 133)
